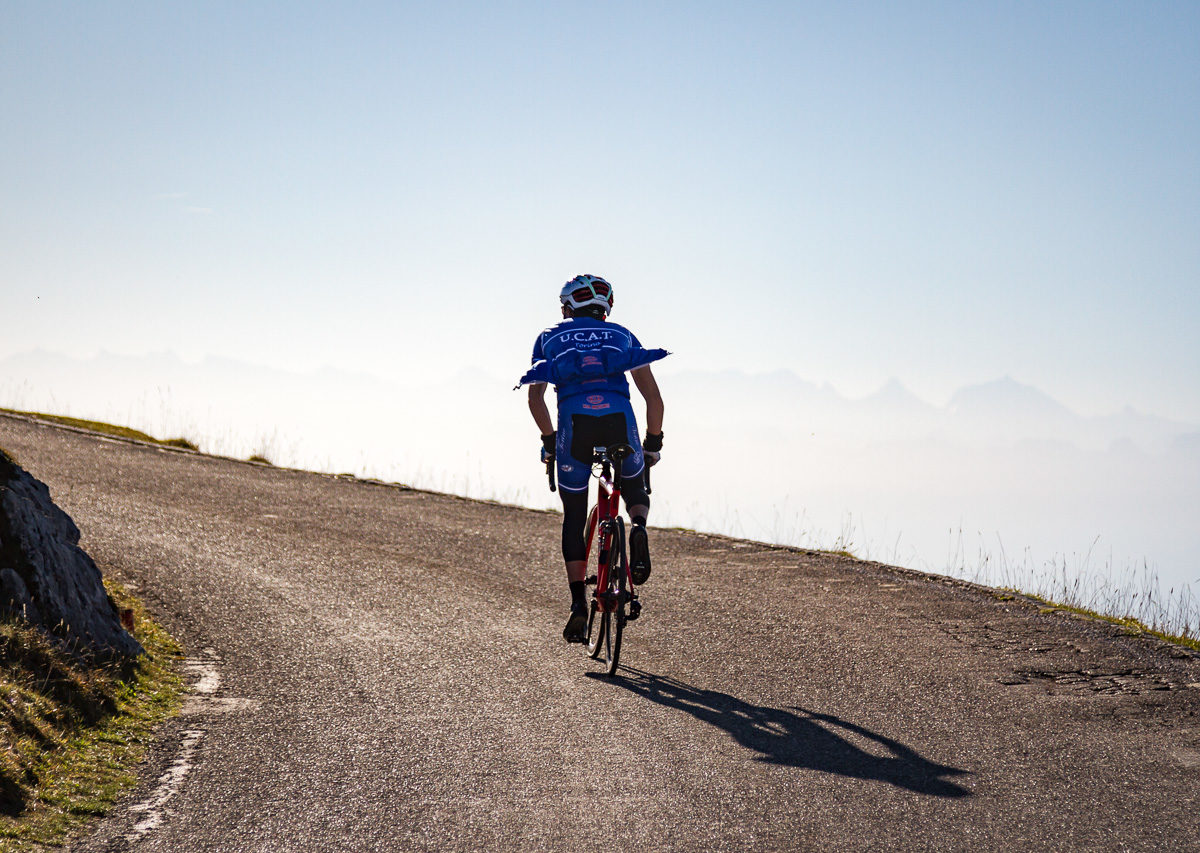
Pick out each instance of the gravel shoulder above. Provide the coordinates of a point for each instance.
(380, 668)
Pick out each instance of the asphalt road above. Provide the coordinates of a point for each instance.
(382, 669)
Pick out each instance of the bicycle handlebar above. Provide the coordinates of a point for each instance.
(551, 464)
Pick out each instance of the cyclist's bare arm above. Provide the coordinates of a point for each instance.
(537, 408)
(644, 380)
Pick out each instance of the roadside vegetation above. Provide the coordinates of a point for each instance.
(107, 429)
(72, 731)
(1131, 627)
(1132, 597)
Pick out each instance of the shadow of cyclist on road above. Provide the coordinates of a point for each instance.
(798, 737)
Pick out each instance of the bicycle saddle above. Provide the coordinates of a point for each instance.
(619, 452)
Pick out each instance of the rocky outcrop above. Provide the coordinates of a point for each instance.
(45, 577)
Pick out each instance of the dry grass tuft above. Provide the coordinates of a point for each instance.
(72, 731)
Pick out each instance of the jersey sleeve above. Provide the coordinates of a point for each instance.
(538, 354)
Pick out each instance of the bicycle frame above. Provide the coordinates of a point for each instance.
(613, 597)
(603, 518)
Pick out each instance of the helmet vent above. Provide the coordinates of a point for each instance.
(585, 290)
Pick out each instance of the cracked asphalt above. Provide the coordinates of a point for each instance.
(385, 671)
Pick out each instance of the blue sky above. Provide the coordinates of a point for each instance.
(942, 192)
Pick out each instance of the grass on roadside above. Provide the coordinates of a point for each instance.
(71, 732)
(1130, 626)
(107, 429)
(1132, 597)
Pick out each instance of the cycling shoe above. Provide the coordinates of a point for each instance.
(576, 630)
(639, 554)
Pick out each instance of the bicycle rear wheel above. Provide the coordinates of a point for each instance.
(597, 618)
(617, 586)
(595, 644)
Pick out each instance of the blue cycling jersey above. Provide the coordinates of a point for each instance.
(582, 342)
(587, 359)
(585, 356)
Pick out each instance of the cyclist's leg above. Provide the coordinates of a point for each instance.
(633, 487)
(573, 477)
(639, 545)
(574, 550)
(637, 503)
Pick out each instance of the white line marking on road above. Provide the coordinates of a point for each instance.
(217, 705)
(168, 785)
(1189, 758)
(207, 680)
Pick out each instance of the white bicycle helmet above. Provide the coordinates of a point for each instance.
(584, 290)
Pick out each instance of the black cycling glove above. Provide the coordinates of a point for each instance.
(652, 448)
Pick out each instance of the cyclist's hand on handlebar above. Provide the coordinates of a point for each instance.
(652, 448)
(548, 447)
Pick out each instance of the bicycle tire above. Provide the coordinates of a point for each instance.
(617, 584)
(596, 646)
(589, 530)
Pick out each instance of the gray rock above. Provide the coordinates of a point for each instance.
(16, 596)
(46, 578)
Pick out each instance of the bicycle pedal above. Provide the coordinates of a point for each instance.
(635, 610)
(590, 580)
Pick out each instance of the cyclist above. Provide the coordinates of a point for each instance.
(586, 358)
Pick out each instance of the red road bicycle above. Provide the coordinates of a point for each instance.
(614, 602)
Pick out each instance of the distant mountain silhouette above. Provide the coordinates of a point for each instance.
(1003, 411)
(1003, 398)
(893, 395)
(1188, 443)
(778, 403)
(798, 462)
